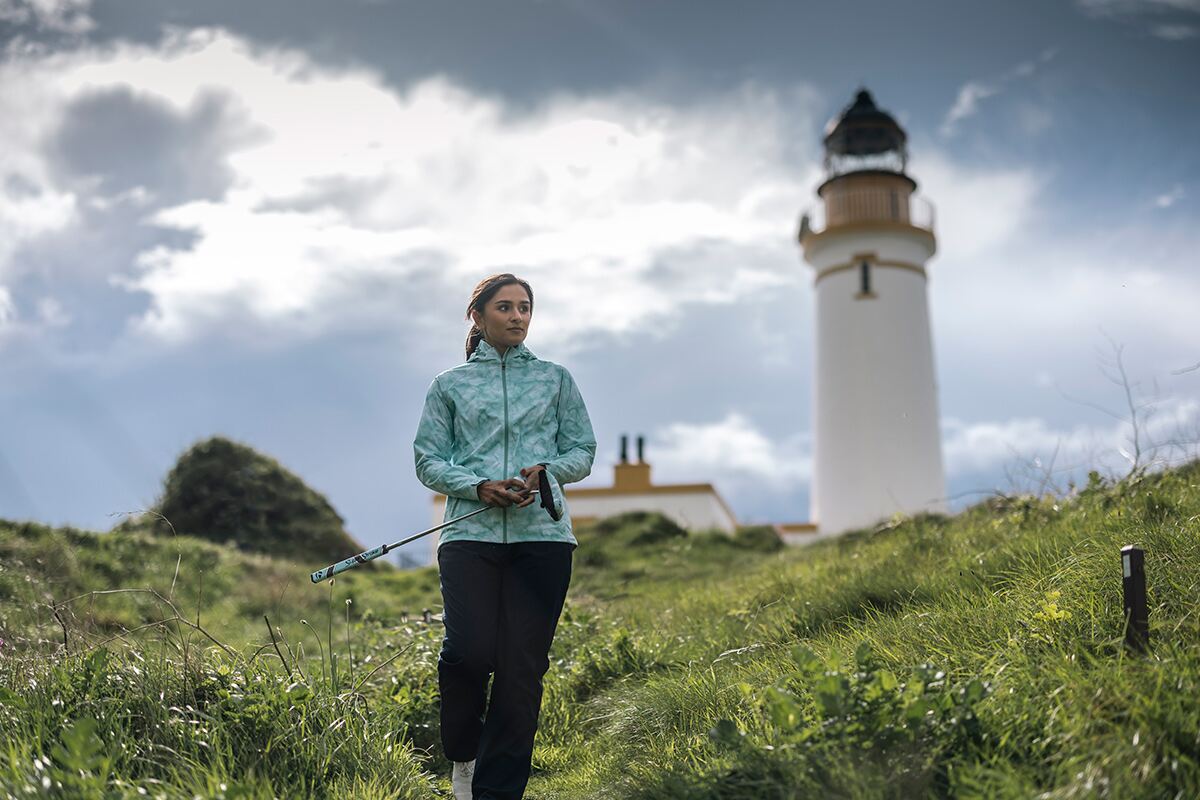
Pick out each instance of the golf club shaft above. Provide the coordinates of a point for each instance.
(376, 552)
(544, 492)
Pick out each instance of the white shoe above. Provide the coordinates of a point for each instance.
(460, 779)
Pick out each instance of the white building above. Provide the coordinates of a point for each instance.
(694, 506)
(877, 448)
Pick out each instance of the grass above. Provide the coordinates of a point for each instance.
(978, 655)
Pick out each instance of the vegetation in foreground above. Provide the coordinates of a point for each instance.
(973, 656)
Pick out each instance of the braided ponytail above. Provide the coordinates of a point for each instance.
(484, 292)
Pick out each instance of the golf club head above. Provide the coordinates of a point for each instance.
(547, 496)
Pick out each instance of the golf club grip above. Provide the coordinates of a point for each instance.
(547, 495)
(353, 561)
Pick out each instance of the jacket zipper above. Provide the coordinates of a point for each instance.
(504, 383)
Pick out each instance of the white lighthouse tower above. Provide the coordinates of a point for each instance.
(877, 444)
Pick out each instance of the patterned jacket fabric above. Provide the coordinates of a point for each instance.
(486, 419)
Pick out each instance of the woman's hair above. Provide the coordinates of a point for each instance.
(484, 292)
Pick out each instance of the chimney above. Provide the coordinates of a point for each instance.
(632, 478)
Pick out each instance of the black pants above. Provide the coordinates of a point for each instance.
(501, 604)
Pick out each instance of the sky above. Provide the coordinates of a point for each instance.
(264, 221)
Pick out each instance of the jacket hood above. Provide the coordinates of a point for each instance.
(485, 352)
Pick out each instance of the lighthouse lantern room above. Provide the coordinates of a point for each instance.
(877, 448)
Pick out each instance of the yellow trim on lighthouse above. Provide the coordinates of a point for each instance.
(811, 238)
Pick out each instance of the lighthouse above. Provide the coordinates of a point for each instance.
(877, 449)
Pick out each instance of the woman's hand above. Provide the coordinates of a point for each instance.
(530, 474)
(505, 493)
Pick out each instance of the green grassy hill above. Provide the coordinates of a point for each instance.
(973, 656)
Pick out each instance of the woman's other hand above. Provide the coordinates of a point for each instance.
(505, 493)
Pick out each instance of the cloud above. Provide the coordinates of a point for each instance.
(1170, 432)
(8, 311)
(1033, 119)
(1170, 198)
(734, 452)
(966, 104)
(977, 209)
(294, 198)
(66, 16)
(1008, 294)
(29, 206)
(732, 449)
(1175, 33)
(1032, 301)
(284, 200)
(51, 312)
(972, 93)
(1114, 7)
(1169, 20)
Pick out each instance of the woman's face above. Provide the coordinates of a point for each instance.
(505, 319)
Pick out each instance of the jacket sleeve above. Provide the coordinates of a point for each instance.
(434, 445)
(576, 441)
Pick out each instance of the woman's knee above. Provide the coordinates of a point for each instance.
(468, 659)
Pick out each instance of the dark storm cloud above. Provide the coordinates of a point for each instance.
(128, 140)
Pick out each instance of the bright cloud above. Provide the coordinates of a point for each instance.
(1170, 198)
(288, 199)
(978, 209)
(31, 204)
(1032, 300)
(734, 449)
(973, 92)
(740, 453)
(28, 211)
(1169, 431)
(339, 184)
(8, 312)
(966, 104)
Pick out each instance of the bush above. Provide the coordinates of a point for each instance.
(762, 538)
(639, 527)
(226, 492)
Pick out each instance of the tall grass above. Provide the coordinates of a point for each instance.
(1016, 602)
(971, 656)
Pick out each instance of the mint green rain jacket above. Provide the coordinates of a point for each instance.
(486, 419)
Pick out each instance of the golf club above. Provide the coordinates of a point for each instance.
(547, 502)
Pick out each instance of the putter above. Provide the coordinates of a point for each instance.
(547, 502)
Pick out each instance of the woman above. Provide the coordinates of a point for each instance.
(504, 573)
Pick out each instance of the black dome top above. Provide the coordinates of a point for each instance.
(862, 129)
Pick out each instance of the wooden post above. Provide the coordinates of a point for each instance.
(1137, 616)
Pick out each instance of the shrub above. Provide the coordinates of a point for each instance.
(639, 527)
(224, 491)
(758, 537)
